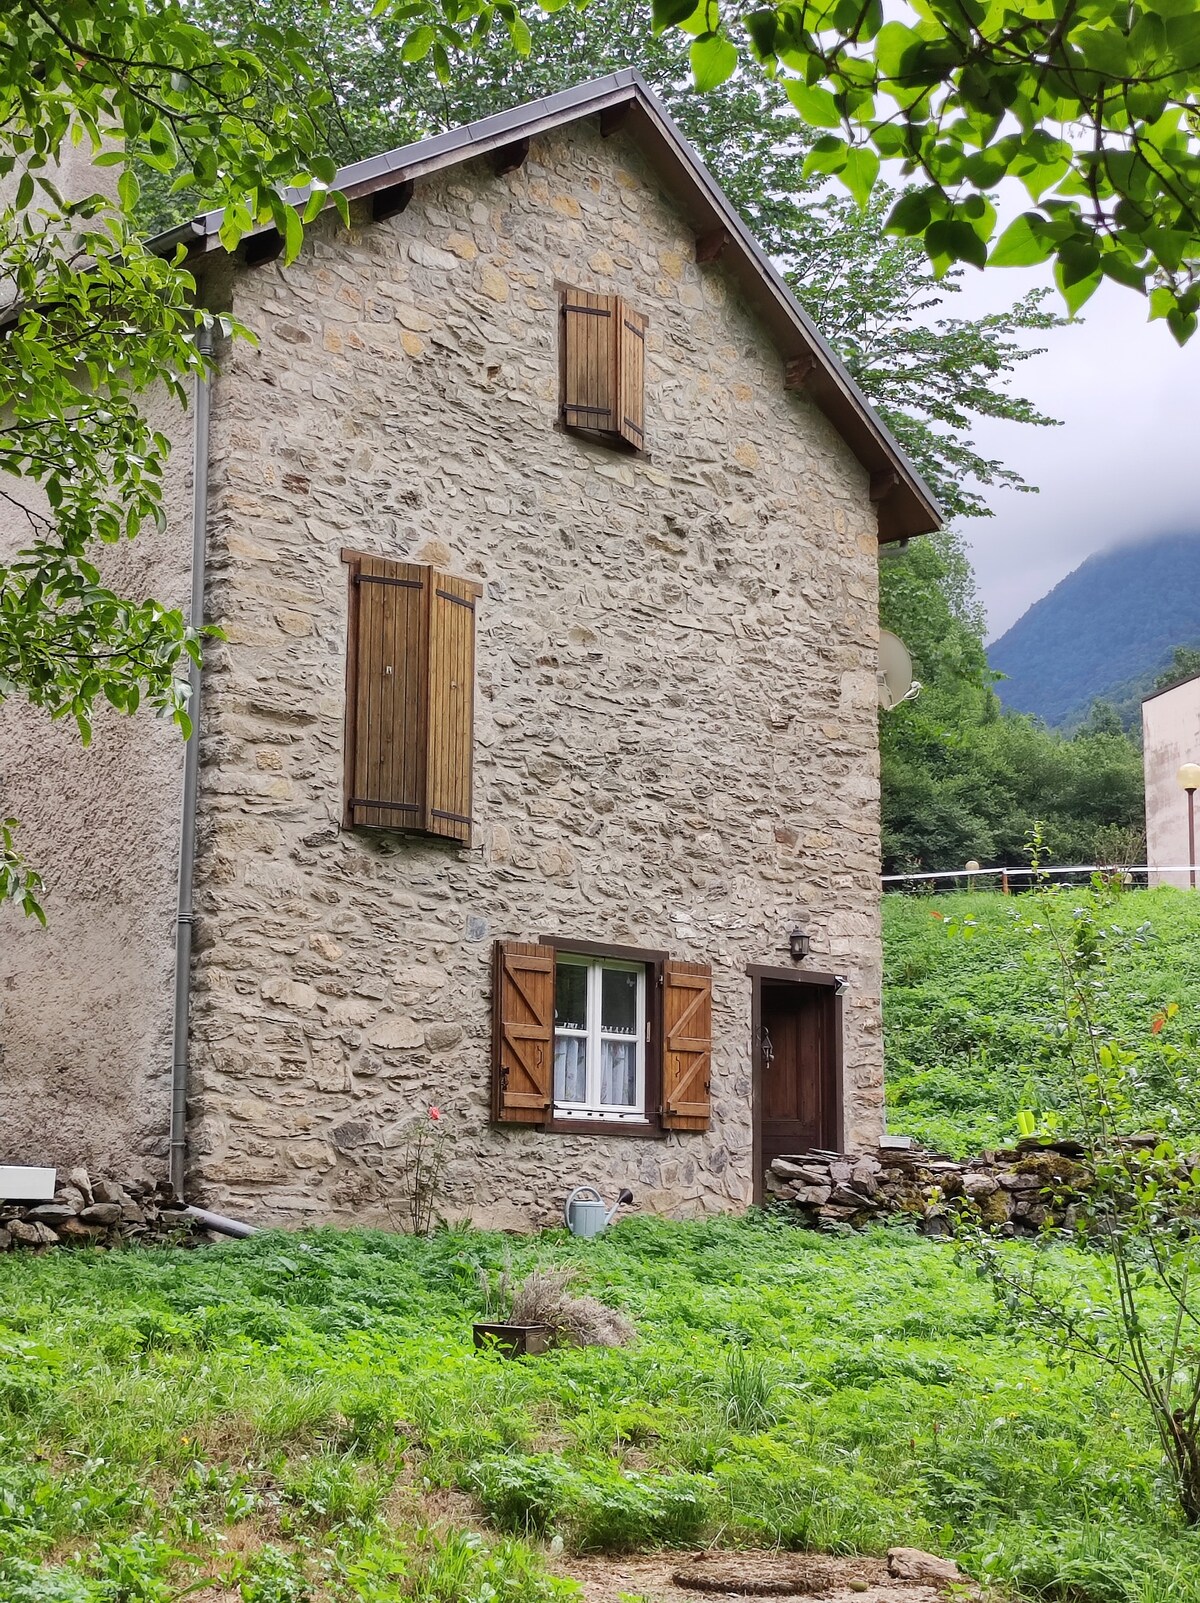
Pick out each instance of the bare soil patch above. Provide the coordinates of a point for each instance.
(733, 1577)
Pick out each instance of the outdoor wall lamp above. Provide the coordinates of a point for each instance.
(841, 985)
(799, 944)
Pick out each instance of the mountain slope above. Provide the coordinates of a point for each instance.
(1116, 619)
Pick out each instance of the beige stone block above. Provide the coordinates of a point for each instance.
(289, 993)
(325, 946)
(293, 622)
(567, 206)
(413, 344)
(311, 1154)
(746, 455)
(411, 317)
(463, 246)
(397, 1034)
(671, 263)
(601, 262)
(421, 977)
(493, 282)
(268, 758)
(436, 552)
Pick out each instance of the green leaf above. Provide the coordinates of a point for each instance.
(859, 172)
(828, 155)
(293, 235)
(24, 191)
(816, 105)
(713, 60)
(670, 13)
(1076, 290)
(418, 44)
(1023, 243)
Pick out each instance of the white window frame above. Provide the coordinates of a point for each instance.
(591, 1108)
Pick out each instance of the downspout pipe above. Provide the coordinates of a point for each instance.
(191, 778)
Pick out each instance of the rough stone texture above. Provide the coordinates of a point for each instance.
(675, 711)
(85, 1004)
(1016, 1192)
(148, 1215)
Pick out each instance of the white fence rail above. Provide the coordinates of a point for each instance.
(1050, 872)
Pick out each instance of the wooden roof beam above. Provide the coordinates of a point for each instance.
(390, 202)
(798, 371)
(507, 158)
(709, 246)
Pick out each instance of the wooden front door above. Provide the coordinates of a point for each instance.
(798, 1051)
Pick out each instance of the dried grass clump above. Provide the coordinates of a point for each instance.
(544, 1298)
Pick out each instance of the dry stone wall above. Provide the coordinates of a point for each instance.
(1017, 1191)
(675, 704)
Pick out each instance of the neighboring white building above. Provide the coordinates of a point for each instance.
(1171, 737)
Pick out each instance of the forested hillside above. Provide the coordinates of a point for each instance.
(1104, 632)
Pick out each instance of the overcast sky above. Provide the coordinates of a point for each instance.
(1124, 463)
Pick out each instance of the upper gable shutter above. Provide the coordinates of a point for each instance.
(385, 703)
(522, 1032)
(451, 679)
(631, 367)
(590, 361)
(687, 1045)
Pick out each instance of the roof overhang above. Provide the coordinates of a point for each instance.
(905, 505)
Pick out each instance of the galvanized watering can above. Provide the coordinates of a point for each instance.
(584, 1211)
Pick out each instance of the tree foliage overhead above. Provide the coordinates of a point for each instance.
(930, 375)
(1091, 105)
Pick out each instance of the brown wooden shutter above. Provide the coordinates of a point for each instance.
(522, 1032)
(385, 693)
(451, 679)
(590, 361)
(687, 1045)
(410, 690)
(631, 368)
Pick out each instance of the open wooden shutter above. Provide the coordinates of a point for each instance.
(385, 700)
(590, 361)
(687, 1045)
(631, 371)
(410, 686)
(451, 679)
(522, 1032)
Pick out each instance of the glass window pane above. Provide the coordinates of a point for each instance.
(570, 1069)
(618, 1073)
(618, 1002)
(570, 996)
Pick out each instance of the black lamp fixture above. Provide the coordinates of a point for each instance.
(799, 944)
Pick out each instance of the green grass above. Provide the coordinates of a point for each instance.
(972, 1012)
(286, 1413)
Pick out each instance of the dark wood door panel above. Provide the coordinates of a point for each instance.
(798, 1058)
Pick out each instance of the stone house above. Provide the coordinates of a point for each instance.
(536, 774)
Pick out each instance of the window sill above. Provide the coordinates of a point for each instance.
(640, 1130)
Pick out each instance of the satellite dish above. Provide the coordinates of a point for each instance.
(896, 682)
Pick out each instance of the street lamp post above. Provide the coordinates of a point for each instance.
(1188, 778)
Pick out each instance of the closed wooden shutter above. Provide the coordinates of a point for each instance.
(410, 679)
(631, 368)
(687, 1046)
(385, 701)
(451, 678)
(522, 1032)
(590, 361)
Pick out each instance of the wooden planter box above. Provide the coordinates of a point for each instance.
(514, 1341)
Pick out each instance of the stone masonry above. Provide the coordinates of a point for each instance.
(675, 693)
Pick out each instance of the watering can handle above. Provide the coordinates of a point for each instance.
(578, 1192)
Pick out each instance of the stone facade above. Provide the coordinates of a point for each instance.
(675, 739)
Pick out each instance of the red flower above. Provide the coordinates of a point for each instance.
(435, 1114)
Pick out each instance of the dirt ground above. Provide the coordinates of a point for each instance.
(738, 1577)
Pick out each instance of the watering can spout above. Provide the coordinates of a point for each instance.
(583, 1211)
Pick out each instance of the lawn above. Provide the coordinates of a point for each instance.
(972, 1013)
(305, 1418)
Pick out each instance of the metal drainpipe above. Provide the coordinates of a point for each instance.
(191, 782)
